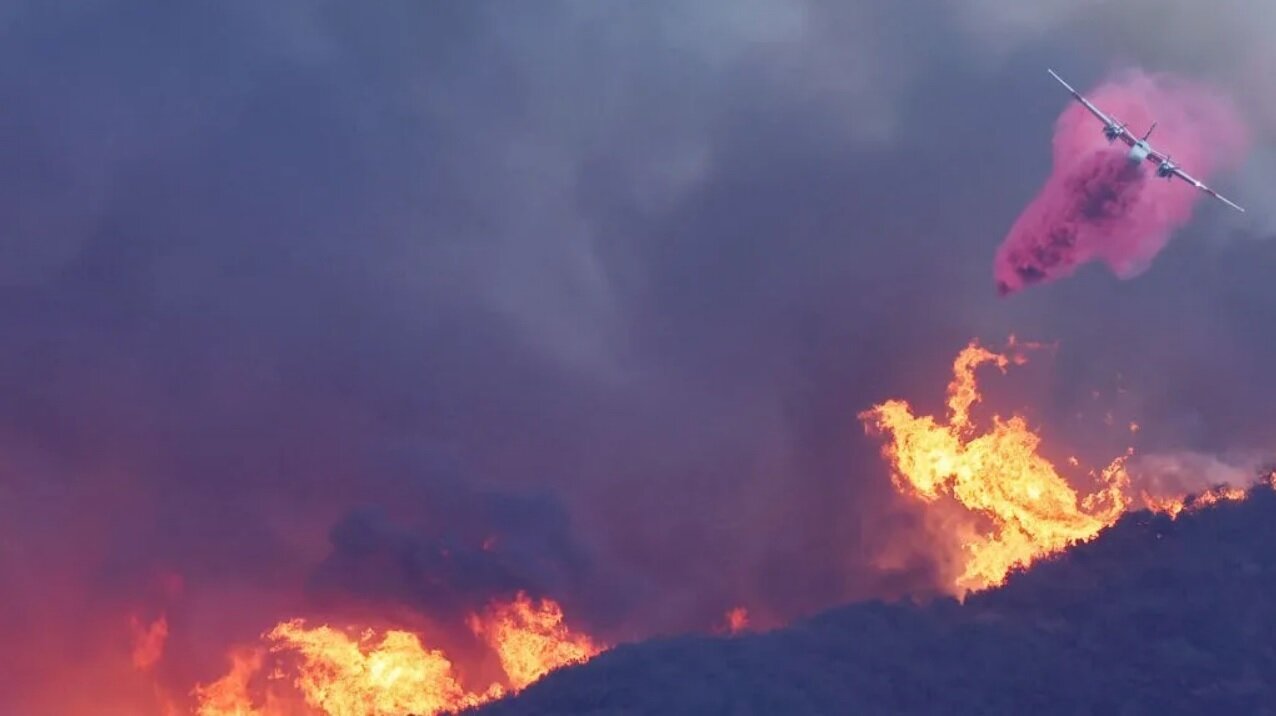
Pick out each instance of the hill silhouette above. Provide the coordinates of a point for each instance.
(1156, 616)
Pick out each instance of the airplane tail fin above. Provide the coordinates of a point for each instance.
(1145, 137)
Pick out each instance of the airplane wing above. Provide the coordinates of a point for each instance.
(1125, 134)
(1194, 182)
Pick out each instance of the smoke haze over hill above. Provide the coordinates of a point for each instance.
(1157, 616)
(362, 312)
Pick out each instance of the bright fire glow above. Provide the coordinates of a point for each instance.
(1174, 506)
(393, 673)
(737, 619)
(1002, 503)
(1015, 507)
(229, 695)
(390, 676)
(531, 639)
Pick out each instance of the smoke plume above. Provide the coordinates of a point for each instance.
(467, 551)
(1097, 205)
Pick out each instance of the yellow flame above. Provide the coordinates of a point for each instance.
(1016, 506)
(393, 673)
(229, 695)
(531, 639)
(1174, 506)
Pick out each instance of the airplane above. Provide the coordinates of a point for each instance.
(1140, 150)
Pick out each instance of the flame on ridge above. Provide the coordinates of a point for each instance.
(1174, 506)
(391, 673)
(737, 620)
(1013, 505)
(531, 639)
(230, 695)
(1002, 504)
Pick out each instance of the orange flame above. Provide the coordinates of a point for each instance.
(229, 695)
(1174, 506)
(737, 619)
(148, 640)
(1015, 506)
(340, 675)
(394, 673)
(531, 639)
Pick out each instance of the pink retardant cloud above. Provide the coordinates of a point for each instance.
(1098, 206)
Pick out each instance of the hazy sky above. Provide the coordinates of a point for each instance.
(609, 279)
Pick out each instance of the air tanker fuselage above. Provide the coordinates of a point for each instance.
(1140, 150)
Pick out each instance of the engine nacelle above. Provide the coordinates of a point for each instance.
(1166, 169)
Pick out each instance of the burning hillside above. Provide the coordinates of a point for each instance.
(1108, 599)
(992, 503)
(1155, 615)
(991, 499)
(451, 615)
(387, 357)
(996, 498)
(323, 671)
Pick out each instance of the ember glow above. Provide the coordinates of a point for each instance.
(320, 669)
(1174, 506)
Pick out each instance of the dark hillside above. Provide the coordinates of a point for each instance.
(1157, 616)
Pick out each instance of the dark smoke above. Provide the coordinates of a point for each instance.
(462, 551)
